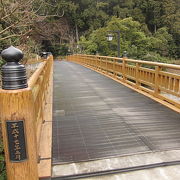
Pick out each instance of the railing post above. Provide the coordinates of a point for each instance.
(106, 66)
(100, 64)
(114, 71)
(137, 75)
(95, 66)
(18, 121)
(124, 68)
(156, 89)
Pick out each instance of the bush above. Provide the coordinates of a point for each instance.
(155, 57)
(139, 44)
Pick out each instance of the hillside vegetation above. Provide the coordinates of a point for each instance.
(150, 29)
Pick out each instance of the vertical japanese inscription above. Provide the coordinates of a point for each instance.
(16, 141)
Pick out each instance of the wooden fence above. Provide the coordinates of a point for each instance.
(145, 76)
(29, 106)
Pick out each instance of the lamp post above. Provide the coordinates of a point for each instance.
(110, 38)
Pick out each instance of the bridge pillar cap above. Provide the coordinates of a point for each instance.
(125, 53)
(12, 54)
(13, 73)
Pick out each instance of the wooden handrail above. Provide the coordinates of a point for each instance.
(35, 75)
(28, 106)
(145, 76)
(173, 66)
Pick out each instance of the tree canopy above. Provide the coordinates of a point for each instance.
(148, 27)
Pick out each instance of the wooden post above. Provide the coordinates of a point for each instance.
(124, 69)
(106, 66)
(114, 71)
(18, 121)
(137, 75)
(96, 59)
(156, 89)
(16, 106)
(100, 64)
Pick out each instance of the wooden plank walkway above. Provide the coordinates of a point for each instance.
(95, 117)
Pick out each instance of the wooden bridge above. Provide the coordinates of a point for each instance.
(105, 115)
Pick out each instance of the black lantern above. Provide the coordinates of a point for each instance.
(44, 55)
(13, 73)
(109, 37)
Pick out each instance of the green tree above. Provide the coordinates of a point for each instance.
(133, 39)
(129, 36)
(165, 41)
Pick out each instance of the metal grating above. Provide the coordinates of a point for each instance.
(95, 117)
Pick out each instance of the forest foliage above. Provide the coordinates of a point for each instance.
(150, 29)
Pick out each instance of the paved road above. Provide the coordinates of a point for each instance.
(95, 117)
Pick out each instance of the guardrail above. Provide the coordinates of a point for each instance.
(22, 113)
(38, 84)
(151, 77)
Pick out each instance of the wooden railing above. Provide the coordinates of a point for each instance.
(30, 106)
(150, 77)
(38, 84)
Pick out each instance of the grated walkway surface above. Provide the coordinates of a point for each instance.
(95, 117)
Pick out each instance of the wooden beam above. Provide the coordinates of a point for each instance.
(15, 106)
(44, 166)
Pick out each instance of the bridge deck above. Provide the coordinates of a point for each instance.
(95, 117)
